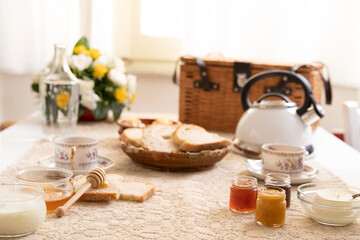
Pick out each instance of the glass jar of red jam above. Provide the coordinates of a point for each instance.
(281, 180)
(270, 207)
(243, 194)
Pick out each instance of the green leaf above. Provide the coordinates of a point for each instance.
(101, 110)
(82, 41)
(116, 109)
(35, 87)
(81, 110)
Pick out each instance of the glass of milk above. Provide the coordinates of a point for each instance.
(22, 209)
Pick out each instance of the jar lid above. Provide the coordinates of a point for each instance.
(271, 194)
(244, 181)
(278, 179)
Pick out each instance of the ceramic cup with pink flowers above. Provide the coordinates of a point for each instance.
(76, 153)
(282, 157)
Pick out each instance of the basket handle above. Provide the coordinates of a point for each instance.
(324, 77)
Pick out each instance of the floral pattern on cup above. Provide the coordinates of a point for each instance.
(62, 155)
(282, 157)
(85, 156)
(91, 155)
(290, 164)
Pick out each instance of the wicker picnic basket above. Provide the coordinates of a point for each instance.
(210, 89)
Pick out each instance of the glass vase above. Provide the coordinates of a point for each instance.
(59, 94)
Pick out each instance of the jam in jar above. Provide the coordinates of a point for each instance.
(281, 180)
(243, 193)
(270, 207)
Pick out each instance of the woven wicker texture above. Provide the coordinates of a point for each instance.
(221, 110)
(176, 162)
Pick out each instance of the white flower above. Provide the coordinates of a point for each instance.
(131, 83)
(36, 78)
(80, 62)
(88, 96)
(116, 76)
(111, 62)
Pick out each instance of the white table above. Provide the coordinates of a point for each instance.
(332, 153)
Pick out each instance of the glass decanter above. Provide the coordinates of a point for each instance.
(59, 93)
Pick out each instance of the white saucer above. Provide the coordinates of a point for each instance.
(256, 170)
(103, 162)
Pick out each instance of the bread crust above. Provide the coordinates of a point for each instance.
(148, 194)
(187, 146)
(126, 138)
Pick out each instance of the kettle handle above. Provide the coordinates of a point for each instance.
(274, 94)
(291, 76)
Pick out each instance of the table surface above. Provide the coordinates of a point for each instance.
(330, 152)
(185, 205)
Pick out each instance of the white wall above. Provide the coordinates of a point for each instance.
(155, 93)
(16, 98)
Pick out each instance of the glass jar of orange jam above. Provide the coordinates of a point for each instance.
(270, 207)
(243, 193)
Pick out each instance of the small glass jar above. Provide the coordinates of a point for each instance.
(22, 209)
(270, 207)
(243, 193)
(281, 180)
(56, 183)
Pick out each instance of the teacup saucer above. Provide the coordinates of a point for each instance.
(256, 170)
(103, 162)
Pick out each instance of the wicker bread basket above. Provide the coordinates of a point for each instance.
(219, 106)
(175, 161)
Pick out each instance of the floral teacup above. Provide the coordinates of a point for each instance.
(282, 158)
(76, 153)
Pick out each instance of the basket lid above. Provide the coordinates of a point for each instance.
(220, 61)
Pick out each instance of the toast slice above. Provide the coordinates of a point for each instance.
(159, 137)
(136, 190)
(132, 136)
(110, 190)
(116, 188)
(192, 138)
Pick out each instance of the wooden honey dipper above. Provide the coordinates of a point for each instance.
(94, 179)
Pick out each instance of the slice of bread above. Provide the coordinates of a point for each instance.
(136, 190)
(108, 191)
(133, 136)
(159, 137)
(192, 138)
(116, 188)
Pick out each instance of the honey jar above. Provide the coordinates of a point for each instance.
(56, 183)
(243, 192)
(270, 207)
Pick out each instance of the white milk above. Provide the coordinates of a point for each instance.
(21, 213)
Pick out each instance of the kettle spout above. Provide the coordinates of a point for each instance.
(312, 115)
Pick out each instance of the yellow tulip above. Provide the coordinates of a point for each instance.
(100, 70)
(120, 94)
(80, 49)
(133, 97)
(62, 100)
(94, 53)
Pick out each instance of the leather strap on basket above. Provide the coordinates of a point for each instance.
(242, 71)
(325, 80)
(204, 83)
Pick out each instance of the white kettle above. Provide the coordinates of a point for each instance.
(280, 121)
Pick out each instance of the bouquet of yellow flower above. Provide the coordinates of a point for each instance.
(104, 83)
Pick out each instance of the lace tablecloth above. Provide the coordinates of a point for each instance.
(185, 205)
